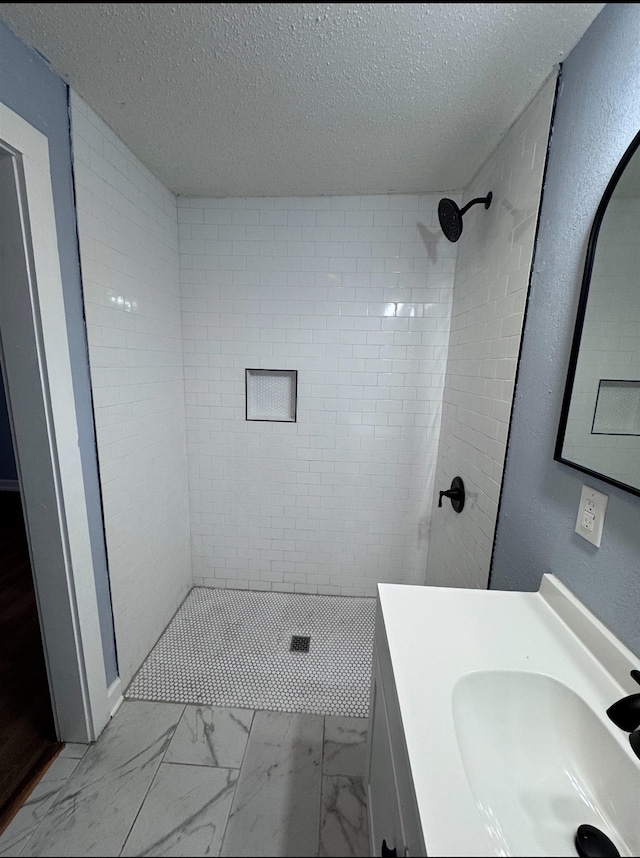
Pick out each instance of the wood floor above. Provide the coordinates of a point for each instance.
(27, 733)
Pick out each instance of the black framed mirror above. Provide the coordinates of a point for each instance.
(599, 431)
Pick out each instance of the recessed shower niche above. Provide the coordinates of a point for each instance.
(271, 394)
(617, 410)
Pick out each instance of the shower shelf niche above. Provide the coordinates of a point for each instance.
(271, 394)
(617, 410)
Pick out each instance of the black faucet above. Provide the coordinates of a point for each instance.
(625, 714)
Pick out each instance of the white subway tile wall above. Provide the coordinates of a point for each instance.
(127, 226)
(355, 294)
(490, 292)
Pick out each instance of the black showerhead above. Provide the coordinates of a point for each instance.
(450, 219)
(450, 215)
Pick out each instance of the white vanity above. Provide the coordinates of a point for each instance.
(488, 727)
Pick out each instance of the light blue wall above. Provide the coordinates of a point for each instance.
(597, 116)
(32, 90)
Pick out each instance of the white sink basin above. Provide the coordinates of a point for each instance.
(540, 762)
(502, 699)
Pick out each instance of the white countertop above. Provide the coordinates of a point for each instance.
(436, 635)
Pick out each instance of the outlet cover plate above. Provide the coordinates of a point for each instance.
(590, 520)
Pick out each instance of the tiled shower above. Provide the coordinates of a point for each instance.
(355, 294)
(384, 322)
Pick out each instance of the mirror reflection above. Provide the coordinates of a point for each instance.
(600, 426)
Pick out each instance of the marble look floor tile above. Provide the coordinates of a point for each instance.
(344, 825)
(185, 812)
(210, 736)
(345, 746)
(74, 750)
(276, 807)
(15, 836)
(94, 812)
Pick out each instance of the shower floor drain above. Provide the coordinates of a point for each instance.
(300, 643)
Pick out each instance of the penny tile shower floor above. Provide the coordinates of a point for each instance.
(233, 648)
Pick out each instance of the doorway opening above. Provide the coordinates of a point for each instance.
(28, 739)
(52, 511)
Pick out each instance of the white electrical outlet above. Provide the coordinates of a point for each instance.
(590, 521)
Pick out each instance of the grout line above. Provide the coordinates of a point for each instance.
(198, 765)
(324, 730)
(239, 770)
(164, 753)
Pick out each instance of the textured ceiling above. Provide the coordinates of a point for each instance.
(251, 99)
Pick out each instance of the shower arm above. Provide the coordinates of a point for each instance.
(486, 200)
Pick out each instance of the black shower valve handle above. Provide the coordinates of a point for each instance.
(455, 494)
(449, 493)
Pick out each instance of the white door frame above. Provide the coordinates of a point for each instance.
(37, 372)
